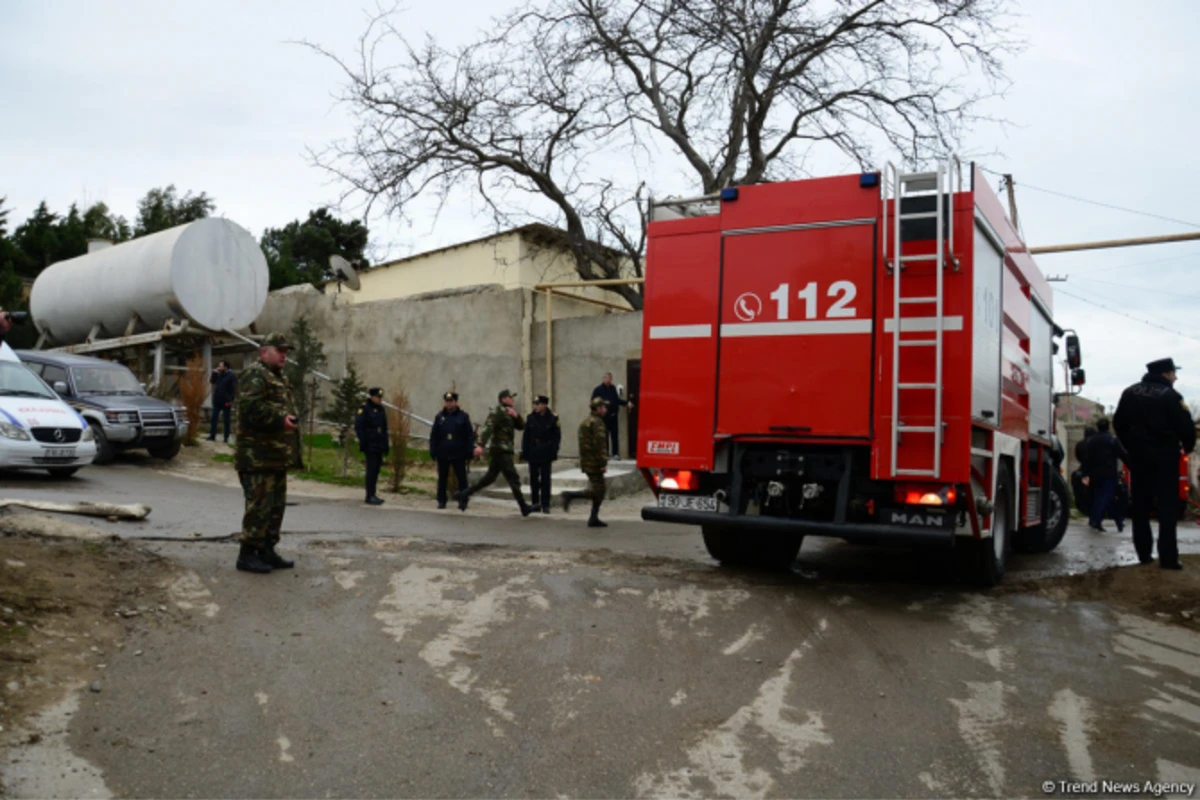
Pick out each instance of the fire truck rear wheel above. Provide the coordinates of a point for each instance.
(982, 561)
(1045, 537)
(739, 548)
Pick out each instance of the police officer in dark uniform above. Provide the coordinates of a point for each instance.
(539, 448)
(371, 428)
(450, 444)
(1155, 427)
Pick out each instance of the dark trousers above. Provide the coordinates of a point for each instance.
(501, 464)
(1103, 492)
(614, 437)
(374, 464)
(1155, 479)
(460, 472)
(539, 483)
(216, 412)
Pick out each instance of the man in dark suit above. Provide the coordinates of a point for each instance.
(1102, 470)
(224, 384)
(451, 443)
(613, 401)
(539, 448)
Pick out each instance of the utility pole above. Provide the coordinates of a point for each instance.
(1012, 201)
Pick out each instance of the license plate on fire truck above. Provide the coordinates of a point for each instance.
(687, 502)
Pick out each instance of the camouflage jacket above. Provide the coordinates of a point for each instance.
(264, 401)
(499, 432)
(593, 444)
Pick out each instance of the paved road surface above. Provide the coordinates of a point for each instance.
(438, 654)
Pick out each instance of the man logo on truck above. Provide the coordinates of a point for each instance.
(747, 307)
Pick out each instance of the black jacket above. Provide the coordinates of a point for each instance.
(1101, 455)
(609, 393)
(542, 436)
(453, 436)
(224, 387)
(371, 428)
(1153, 421)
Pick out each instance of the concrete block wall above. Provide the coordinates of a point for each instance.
(474, 339)
(584, 349)
(468, 339)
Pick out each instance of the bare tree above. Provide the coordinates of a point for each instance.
(555, 117)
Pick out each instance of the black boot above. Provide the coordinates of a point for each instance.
(546, 509)
(567, 497)
(274, 560)
(462, 498)
(594, 520)
(526, 509)
(250, 560)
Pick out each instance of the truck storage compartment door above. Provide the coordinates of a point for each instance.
(797, 310)
(679, 347)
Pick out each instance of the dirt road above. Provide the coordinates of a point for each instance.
(425, 654)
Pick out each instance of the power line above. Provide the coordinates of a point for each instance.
(1128, 316)
(1098, 203)
(1142, 263)
(1138, 288)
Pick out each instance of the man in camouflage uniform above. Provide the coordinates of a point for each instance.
(265, 420)
(593, 460)
(498, 435)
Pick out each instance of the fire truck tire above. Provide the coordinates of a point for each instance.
(1057, 514)
(982, 561)
(736, 548)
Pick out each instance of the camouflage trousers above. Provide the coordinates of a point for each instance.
(266, 500)
(500, 464)
(597, 489)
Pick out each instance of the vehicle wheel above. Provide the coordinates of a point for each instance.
(62, 473)
(737, 548)
(167, 451)
(104, 450)
(1045, 537)
(982, 561)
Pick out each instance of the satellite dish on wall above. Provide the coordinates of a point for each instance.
(343, 273)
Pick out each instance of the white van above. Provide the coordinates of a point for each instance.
(37, 430)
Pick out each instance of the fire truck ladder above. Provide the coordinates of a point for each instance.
(896, 187)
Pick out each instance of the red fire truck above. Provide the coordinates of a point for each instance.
(866, 357)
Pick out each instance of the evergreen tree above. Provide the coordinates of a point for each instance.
(161, 209)
(348, 394)
(308, 353)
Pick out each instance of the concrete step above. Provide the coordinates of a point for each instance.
(622, 479)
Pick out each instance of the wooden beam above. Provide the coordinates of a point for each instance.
(592, 300)
(580, 284)
(1102, 245)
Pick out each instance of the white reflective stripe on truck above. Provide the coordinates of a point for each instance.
(922, 324)
(811, 328)
(680, 331)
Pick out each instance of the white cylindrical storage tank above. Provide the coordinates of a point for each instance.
(210, 272)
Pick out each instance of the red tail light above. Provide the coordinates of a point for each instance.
(678, 480)
(925, 494)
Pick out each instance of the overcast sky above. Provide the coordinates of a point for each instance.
(104, 100)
